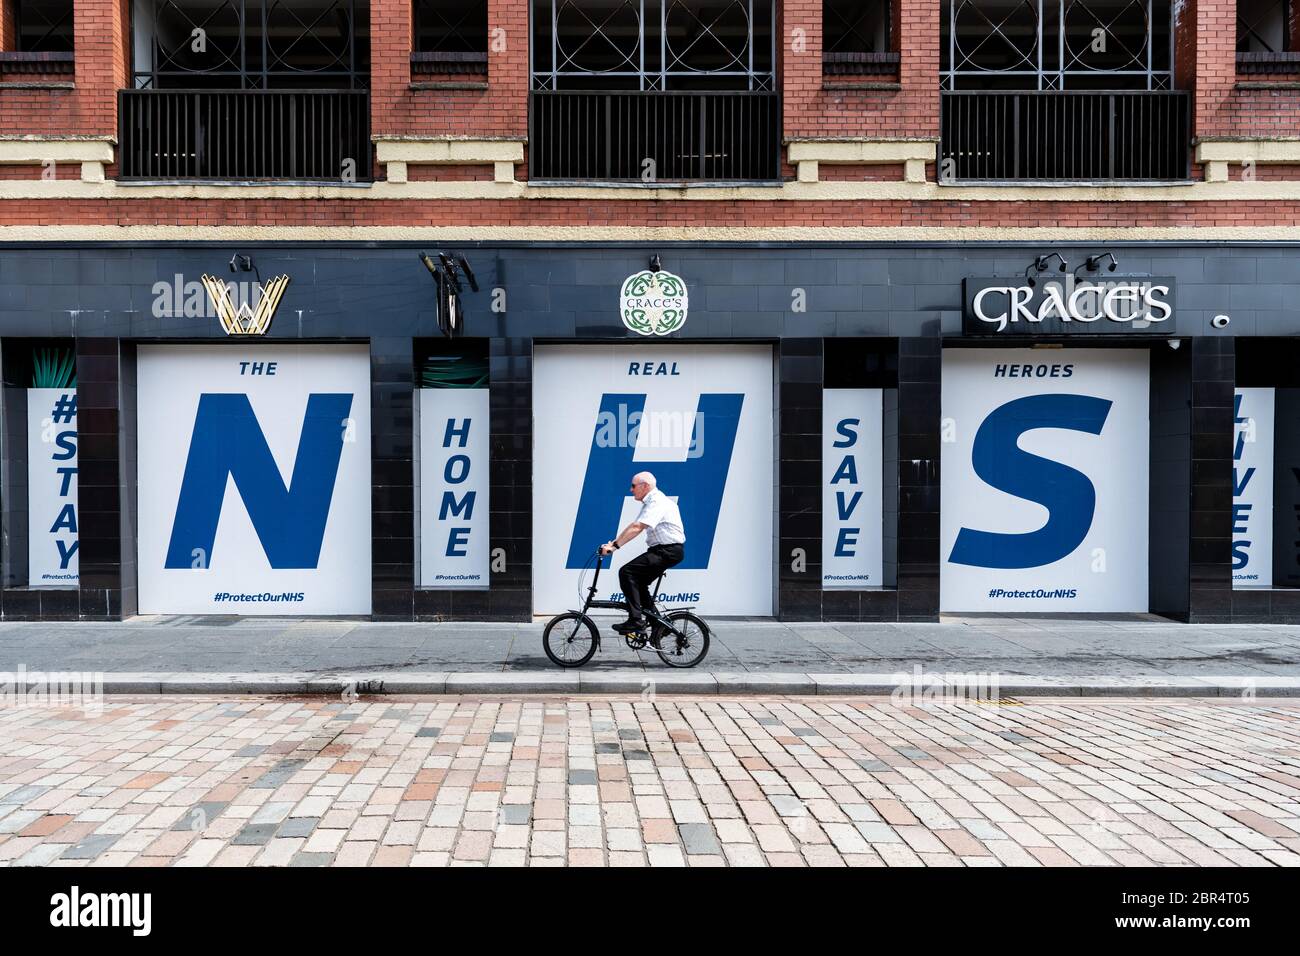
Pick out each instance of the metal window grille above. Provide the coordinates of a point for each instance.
(654, 91)
(251, 44)
(1057, 44)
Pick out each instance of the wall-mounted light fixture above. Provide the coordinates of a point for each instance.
(1093, 263)
(656, 264)
(1040, 264)
(242, 263)
(447, 271)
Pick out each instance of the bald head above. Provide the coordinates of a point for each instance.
(642, 484)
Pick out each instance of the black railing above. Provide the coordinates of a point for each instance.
(313, 135)
(655, 137)
(1065, 136)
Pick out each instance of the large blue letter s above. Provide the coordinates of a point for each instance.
(1067, 494)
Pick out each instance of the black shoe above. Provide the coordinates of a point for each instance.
(629, 626)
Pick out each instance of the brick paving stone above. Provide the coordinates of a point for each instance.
(763, 781)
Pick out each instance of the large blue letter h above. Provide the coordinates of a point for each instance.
(697, 483)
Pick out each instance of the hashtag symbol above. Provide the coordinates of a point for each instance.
(992, 591)
(65, 409)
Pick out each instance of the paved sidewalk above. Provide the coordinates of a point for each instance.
(1124, 654)
(664, 781)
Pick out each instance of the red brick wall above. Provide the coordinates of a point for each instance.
(501, 110)
(912, 111)
(649, 213)
(1223, 108)
(101, 29)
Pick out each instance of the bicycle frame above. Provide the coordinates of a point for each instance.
(650, 612)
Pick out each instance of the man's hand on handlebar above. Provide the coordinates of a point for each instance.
(607, 548)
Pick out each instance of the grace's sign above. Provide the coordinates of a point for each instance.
(1068, 305)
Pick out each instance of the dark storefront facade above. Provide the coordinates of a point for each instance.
(824, 393)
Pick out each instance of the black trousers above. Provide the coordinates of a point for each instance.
(638, 574)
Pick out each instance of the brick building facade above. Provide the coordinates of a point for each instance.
(874, 182)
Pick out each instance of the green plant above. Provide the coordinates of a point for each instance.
(454, 371)
(54, 368)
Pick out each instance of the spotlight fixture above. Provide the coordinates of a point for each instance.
(656, 264)
(1040, 264)
(1093, 263)
(242, 263)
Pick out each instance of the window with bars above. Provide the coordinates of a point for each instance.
(247, 90)
(857, 37)
(654, 91)
(251, 44)
(41, 26)
(1061, 91)
(451, 36)
(1264, 26)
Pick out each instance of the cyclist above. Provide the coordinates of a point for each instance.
(662, 522)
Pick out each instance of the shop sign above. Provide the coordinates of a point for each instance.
(653, 303)
(852, 480)
(1068, 305)
(245, 319)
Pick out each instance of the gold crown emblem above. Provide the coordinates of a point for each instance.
(245, 320)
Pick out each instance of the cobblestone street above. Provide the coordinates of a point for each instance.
(775, 781)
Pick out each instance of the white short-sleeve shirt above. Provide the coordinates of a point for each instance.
(662, 519)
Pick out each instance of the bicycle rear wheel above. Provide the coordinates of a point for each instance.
(569, 639)
(689, 646)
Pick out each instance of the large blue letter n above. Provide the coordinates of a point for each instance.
(228, 443)
(697, 483)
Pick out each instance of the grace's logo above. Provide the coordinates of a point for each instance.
(245, 319)
(653, 303)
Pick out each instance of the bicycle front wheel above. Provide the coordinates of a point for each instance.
(689, 645)
(570, 639)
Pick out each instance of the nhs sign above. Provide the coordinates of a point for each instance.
(699, 417)
(254, 479)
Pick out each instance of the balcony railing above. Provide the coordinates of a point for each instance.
(1054, 136)
(655, 137)
(303, 135)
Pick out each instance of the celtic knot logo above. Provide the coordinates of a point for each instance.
(653, 303)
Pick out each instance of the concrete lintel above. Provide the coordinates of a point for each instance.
(867, 152)
(430, 152)
(1257, 151)
(38, 151)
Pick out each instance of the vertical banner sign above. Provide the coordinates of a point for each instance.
(52, 543)
(852, 499)
(254, 479)
(1045, 480)
(454, 487)
(1252, 488)
(699, 417)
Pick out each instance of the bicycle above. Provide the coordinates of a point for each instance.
(680, 638)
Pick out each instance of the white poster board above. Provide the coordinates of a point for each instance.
(1252, 488)
(852, 493)
(697, 416)
(254, 479)
(454, 441)
(1045, 480)
(52, 543)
